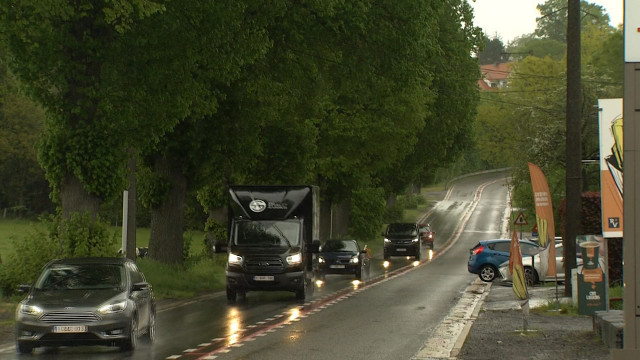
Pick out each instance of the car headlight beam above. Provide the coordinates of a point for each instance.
(30, 310)
(113, 307)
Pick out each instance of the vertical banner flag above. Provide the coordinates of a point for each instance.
(516, 269)
(544, 220)
(611, 165)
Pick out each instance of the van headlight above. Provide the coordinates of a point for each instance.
(387, 241)
(415, 240)
(354, 260)
(294, 259)
(234, 259)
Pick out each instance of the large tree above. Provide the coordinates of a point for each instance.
(552, 23)
(228, 36)
(23, 188)
(493, 51)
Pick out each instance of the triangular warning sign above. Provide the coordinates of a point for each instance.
(520, 220)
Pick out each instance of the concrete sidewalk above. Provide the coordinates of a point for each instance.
(497, 332)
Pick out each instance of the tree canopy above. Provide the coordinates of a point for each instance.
(350, 95)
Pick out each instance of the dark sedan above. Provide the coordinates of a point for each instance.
(342, 257)
(86, 301)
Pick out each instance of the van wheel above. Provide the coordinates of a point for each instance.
(231, 295)
(301, 293)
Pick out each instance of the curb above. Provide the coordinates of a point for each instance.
(449, 336)
(457, 347)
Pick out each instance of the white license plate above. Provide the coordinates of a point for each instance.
(70, 329)
(401, 249)
(263, 278)
(336, 266)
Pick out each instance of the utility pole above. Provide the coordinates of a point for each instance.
(131, 221)
(573, 181)
(631, 171)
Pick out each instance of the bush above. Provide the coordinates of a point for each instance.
(59, 238)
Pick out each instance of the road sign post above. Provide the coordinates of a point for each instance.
(521, 221)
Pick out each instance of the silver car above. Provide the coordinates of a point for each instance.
(532, 273)
(86, 301)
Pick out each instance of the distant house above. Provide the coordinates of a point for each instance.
(494, 76)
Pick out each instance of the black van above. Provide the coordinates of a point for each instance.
(402, 239)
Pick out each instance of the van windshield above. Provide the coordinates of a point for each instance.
(402, 229)
(267, 232)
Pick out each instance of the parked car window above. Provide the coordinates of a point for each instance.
(529, 249)
(502, 246)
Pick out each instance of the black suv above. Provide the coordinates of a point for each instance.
(401, 239)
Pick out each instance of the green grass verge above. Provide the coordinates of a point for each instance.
(196, 276)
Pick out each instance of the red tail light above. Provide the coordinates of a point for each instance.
(478, 250)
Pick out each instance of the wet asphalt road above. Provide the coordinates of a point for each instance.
(388, 315)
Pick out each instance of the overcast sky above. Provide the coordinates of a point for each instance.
(509, 19)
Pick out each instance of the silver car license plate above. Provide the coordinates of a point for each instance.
(61, 329)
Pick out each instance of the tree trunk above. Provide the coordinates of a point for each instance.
(341, 212)
(219, 216)
(391, 201)
(167, 220)
(74, 198)
(326, 222)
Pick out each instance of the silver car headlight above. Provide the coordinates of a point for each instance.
(113, 307)
(30, 310)
(234, 259)
(294, 259)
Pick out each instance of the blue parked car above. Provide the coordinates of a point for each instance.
(485, 258)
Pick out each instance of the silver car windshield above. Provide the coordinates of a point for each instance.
(81, 277)
(267, 232)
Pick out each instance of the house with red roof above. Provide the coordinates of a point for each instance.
(494, 76)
